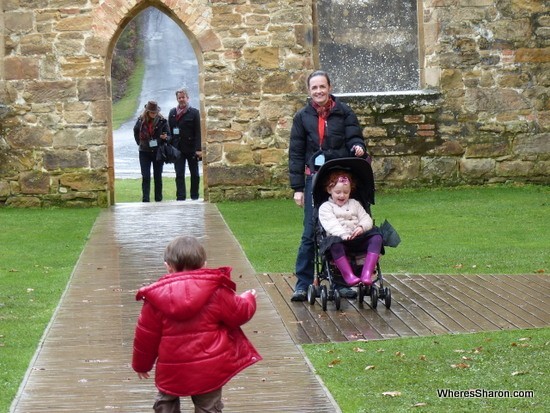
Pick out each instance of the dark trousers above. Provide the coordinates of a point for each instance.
(204, 403)
(193, 164)
(306, 252)
(146, 159)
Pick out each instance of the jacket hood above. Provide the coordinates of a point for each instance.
(182, 295)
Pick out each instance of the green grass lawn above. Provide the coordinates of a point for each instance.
(473, 230)
(39, 249)
(129, 190)
(404, 375)
(126, 107)
(501, 229)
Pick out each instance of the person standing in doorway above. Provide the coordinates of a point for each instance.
(185, 127)
(150, 131)
(323, 129)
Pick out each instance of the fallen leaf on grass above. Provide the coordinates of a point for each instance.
(358, 350)
(520, 345)
(419, 404)
(460, 366)
(399, 354)
(392, 393)
(370, 367)
(334, 362)
(519, 373)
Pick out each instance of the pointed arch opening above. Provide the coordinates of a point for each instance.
(170, 60)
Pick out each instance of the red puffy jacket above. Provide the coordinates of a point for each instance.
(190, 324)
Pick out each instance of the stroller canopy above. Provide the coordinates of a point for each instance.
(363, 177)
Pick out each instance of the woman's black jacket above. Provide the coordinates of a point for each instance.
(342, 132)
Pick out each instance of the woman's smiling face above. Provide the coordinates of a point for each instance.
(319, 89)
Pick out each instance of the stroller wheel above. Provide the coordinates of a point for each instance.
(337, 299)
(387, 297)
(360, 293)
(311, 294)
(324, 297)
(374, 297)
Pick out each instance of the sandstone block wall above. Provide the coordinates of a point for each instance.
(486, 119)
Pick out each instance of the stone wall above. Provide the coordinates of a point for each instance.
(491, 62)
(486, 121)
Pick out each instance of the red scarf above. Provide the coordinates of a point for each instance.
(147, 129)
(180, 112)
(322, 113)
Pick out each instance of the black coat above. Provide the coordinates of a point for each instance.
(142, 139)
(341, 134)
(189, 138)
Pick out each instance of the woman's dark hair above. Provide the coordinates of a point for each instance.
(318, 73)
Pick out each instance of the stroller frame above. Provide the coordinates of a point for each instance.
(327, 276)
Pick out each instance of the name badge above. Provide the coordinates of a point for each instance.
(320, 160)
(153, 143)
(176, 131)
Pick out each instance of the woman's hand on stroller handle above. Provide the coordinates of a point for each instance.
(299, 198)
(358, 150)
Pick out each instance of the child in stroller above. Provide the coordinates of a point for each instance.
(349, 228)
(348, 245)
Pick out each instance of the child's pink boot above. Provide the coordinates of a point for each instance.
(347, 273)
(368, 268)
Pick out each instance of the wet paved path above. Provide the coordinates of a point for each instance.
(83, 363)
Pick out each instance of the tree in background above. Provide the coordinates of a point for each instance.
(126, 56)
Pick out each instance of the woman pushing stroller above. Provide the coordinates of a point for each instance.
(349, 228)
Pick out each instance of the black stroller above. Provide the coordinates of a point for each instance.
(327, 276)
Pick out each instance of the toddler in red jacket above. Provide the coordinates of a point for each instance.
(190, 325)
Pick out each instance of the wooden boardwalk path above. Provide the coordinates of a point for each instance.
(422, 305)
(83, 362)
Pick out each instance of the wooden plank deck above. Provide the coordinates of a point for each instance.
(422, 305)
(83, 361)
